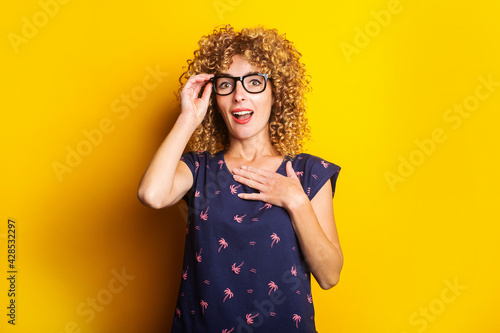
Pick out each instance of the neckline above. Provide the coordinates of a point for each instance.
(223, 153)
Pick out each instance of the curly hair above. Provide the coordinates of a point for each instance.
(272, 54)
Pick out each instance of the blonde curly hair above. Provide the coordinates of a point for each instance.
(272, 54)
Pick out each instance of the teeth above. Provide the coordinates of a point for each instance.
(242, 113)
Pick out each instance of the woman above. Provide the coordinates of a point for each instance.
(260, 212)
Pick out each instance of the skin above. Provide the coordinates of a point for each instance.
(253, 161)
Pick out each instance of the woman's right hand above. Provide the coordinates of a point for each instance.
(191, 105)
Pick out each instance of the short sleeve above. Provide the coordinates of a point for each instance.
(314, 172)
(192, 160)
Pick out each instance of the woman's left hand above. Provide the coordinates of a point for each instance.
(274, 188)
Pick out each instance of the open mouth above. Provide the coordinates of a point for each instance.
(242, 116)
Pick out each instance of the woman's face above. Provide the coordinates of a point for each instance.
(246, 114)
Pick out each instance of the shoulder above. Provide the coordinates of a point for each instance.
(194, 159)
(312, 162)
(313, 172)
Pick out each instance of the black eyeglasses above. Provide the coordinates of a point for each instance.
(253, 83)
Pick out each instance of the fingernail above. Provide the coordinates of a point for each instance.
(236, 171)
(244, 167)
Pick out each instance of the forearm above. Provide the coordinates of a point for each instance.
(158, 180)
(323, 258)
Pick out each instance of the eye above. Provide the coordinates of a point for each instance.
(255, 82)
(223, 84)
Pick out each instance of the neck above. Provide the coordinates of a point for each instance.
(252, 148)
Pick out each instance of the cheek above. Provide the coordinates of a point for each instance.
(220, 103)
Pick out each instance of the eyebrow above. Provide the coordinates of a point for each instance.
(227, 75)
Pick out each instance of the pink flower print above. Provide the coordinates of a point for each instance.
(197, 194)
(294, 270)
(252, 243)
(185, 273)
(204, 216)
(198, 256)
(226, 331)
(266, 206)
(234, 189)
(314, 176)
(178, 313)
(308, 191)
(325, 164)
(297, 319)
(197, 227)
(221, 162)
(228, 293)
(299, 173)
(255, 219)
(197, 164)
(275, 239)
(192, 312)
(239, 218)
(250, 318)
(236, 269)
(217, 192)
(272, 314)
(309, 298)
(249, 291)
(272, 287)
(204, 305)
(298, 292)
(206, 282)
(253, 270)
(222, 243)
(293, 248)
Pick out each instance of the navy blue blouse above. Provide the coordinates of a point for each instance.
(243, 268)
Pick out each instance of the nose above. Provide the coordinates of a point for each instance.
(239, 92)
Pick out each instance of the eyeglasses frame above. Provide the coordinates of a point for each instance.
(239, 78)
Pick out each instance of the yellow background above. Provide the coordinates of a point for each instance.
(404, 243)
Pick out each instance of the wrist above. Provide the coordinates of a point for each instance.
(297, 202)
(188, 122)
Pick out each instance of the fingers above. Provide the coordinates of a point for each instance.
(249, 177)
(207, 92)
(195, 83)
(289, 170)
(248, 180)
(257, 171)
(199, 82)
(251, 196)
